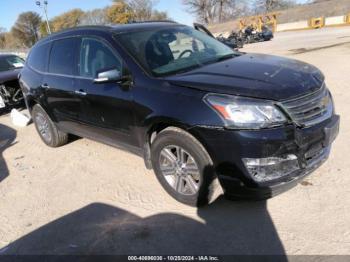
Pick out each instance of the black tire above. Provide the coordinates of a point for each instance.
(208, 186)
(56, 138)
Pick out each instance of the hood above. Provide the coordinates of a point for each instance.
(9, 75)
(254, 75)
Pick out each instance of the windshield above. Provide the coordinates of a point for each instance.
(174, 50)
(10, 62)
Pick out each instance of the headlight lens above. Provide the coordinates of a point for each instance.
(245, 113)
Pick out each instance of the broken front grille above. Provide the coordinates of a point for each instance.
(310, 109)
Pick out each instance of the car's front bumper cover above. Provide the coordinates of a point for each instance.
(234, 188)
(311, 145)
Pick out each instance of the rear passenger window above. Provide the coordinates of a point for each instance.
(39, 56)
(63, 56)
(95, 56)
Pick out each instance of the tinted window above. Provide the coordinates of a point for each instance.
(62, 56)
(96, 56)
(38, 57)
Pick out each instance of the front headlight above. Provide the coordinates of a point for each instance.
(246, 113)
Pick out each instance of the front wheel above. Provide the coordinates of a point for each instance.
(184, 168)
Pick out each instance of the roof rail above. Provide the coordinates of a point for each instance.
(96, 27)
(151, 21)
(102, 27)
(66, 30)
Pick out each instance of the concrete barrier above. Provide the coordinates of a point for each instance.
(293, 26)
(314, 23)
(335, 20)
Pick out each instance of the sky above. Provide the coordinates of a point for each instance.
(10, 9)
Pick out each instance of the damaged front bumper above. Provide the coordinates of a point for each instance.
(10, 94)
(259, 164)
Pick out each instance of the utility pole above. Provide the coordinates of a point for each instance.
(44, 7)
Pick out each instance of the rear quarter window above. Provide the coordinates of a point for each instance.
(38, 57)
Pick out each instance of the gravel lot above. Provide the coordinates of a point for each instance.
(88, 198)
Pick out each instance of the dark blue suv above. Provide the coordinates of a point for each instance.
(200, 114)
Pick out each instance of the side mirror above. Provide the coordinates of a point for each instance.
(110, 75)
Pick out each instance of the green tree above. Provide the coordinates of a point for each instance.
(143, 10)
(263, 6)
(68, 19)
(43, 28)
(26, 28)
(11, 42)
(2, 37)
(205, 10)
(95, 17)
(159, 15)
(217, 11)
(119, 13)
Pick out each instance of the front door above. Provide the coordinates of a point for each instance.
(108, 106)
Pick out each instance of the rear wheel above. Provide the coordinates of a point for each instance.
(184, 168)
(46, 128)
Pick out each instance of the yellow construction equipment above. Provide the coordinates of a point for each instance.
(318, 22)
(257, 22)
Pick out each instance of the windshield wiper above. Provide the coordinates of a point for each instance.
(222, 58)
(198, 65)
(225, 57)
(181, 70)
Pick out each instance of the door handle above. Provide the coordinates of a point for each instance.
(80, 92)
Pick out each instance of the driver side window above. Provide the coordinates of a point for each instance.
(96, 56)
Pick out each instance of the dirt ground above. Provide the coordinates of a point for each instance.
(88, 198)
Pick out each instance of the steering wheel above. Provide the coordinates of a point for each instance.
(185, 52)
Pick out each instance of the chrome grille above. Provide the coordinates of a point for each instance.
(310, 109)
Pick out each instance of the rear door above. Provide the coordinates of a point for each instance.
(108, 107)
(60, 81)
(32, 75)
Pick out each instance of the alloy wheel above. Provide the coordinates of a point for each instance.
(180, 170)
(43, 127)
